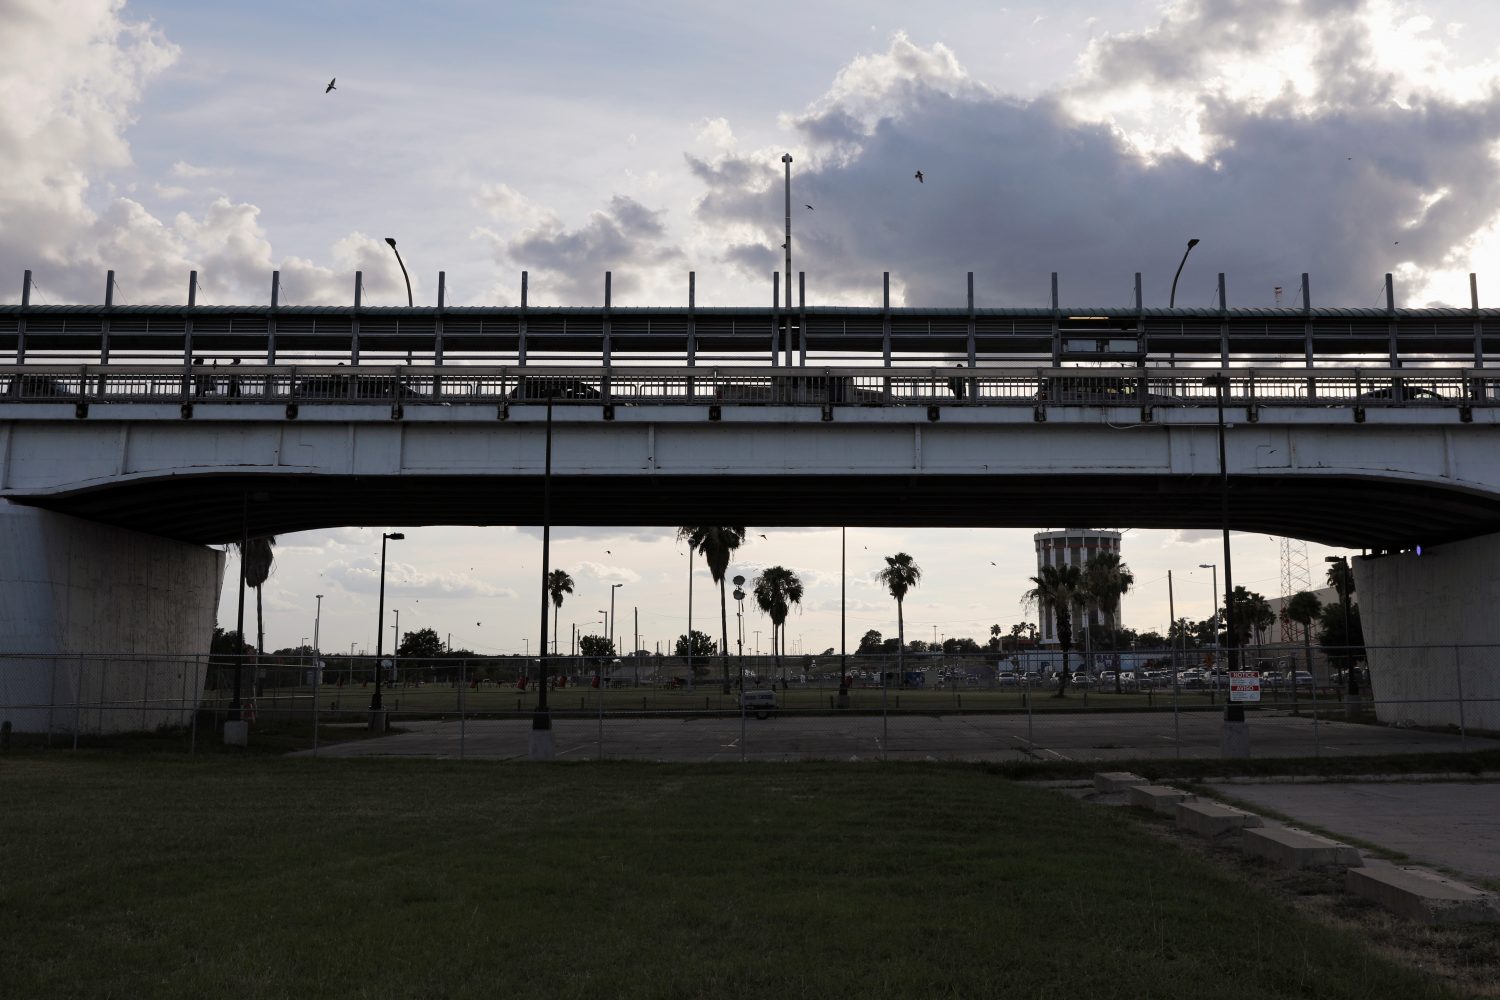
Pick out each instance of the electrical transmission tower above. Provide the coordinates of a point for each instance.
(1296, 576)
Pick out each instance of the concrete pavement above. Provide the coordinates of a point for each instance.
(1046, 736)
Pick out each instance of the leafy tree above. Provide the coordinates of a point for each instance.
(716, 544)
(1151, 640)
(891, 645)
(870, 642)
(1304, 608)
(596, 646)
(559, 583)
(1058, 587)
(1344, 646)
(1252, 614)
(916, 646)
(959, 647)
(703, 645)
(423, 644)
(776, 590)
(899, 576)
(1106, 579)
(228, 644)
(1183, 632)
(1341, 579)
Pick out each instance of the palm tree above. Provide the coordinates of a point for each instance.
(1252, 613)
(1106, 580)
(899, 576)
(776, 590)
(259, 557)
(716, 544)
(558, 584)
(1304, 608)
(1058, 587)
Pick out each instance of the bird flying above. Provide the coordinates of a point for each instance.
(330, 85)
(809, 208)
(763, 536)
(918, 175)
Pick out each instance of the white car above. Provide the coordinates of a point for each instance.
(760, 703)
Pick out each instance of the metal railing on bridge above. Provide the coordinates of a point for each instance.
(391, 385)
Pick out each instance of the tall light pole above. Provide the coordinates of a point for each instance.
(1234, 712)
(392, 241)
(786, 159)
(1171, 302)
(739, 617)
(317, 624)
(1215, 619)
(542, 746)
(377, 711)
(612, 588)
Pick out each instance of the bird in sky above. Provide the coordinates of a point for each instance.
(763, 536)
(919, 177)
(809, 208)
(477, 624)
(330, 85)
(608, 553)
(992, 562)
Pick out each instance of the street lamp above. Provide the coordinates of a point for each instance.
(1233, 711)
(392, 241)
(377, 711)
(1171, 303)
(612, 588)
(1215, 568)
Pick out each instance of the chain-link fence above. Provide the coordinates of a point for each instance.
(1021, 705)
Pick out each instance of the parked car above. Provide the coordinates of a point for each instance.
(761, 703)
(1083, 679)
(1008, 678)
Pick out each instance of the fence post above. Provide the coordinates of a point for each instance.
(193, 738)
(77, 704)
(1458, 673)
(462, 725)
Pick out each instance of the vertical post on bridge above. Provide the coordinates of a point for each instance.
(26, 303)
(359, 290)
(801, 318)
(271, 320)
(885, 329)
(1223, 325)
(608, 347)
(775, 320)
(973, 360)
(1307, 335)
(692, 328)
(1056, 326)
(521, 326)
(1390, 330)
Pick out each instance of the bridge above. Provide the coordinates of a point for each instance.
(118, 433)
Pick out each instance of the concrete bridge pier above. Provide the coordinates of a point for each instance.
(102, 629)
(1430, 626)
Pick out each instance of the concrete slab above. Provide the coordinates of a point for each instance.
(1210, 820)
(1422, 896)
(1450, 824)
(1110, 782)
(1158, 798)
(1298, 849)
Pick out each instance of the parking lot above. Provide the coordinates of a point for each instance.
(1095, 736)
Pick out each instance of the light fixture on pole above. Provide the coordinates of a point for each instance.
(1171, 302)
(612, 588)
(739, 616)
(1215, 619)
(392, 241)
(377, 710)
(317, 625)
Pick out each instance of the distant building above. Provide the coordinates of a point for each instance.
(1071, 547)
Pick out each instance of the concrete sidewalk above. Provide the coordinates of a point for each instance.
(1452, 824)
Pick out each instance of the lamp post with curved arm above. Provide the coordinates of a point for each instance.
(392, 241)
(1171, 302)
(377, 710)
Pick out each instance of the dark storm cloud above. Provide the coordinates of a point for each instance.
(1326, 182)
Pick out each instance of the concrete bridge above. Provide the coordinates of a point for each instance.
(120, 458)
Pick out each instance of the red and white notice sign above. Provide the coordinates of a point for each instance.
(1244, 685)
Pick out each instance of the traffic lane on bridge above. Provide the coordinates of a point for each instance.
(1094, 736)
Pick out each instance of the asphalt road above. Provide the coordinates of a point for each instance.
(1095, 736)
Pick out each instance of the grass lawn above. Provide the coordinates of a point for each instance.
(156, 876)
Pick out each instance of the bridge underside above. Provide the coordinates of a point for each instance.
(1348, 511)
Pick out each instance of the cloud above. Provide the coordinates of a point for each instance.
(567, 265)
(405, 580)
(1317, 157)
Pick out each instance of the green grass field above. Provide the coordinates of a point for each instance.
(137, 876)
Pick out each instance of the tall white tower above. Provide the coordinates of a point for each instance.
(1071, 547)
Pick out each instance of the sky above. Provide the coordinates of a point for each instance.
(1344, 138)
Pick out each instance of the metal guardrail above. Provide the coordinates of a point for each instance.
(748, 386)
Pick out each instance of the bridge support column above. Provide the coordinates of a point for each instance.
(102, 629)
(1432, 634)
